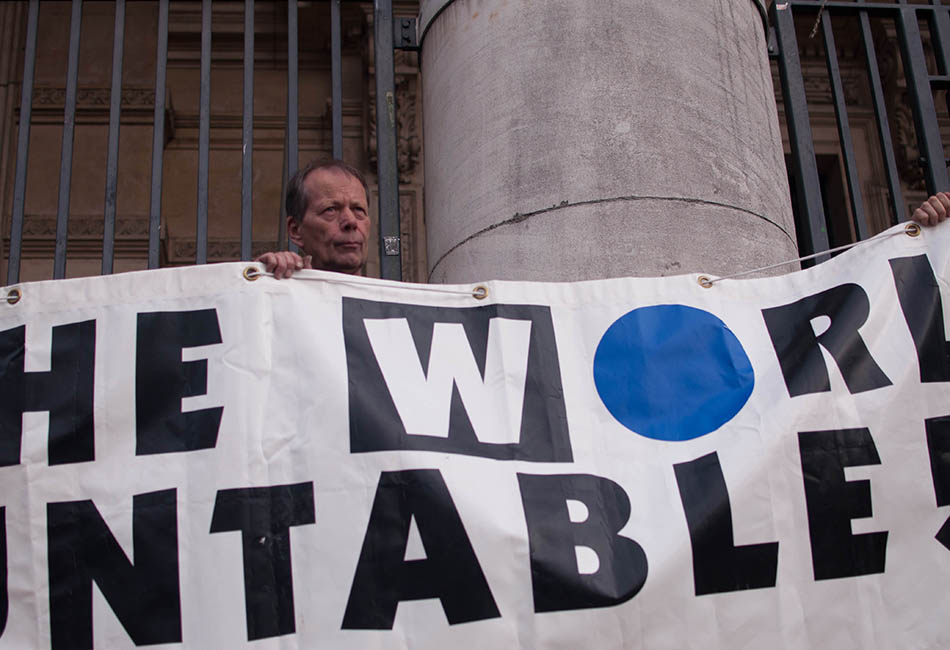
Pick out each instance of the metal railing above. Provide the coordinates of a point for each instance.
(811, 218)
(812, 222)
(390, 263)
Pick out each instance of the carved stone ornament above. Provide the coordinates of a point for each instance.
(182, 251)
(906, 151)
(85, 226)
(408, 143)
(94, 97)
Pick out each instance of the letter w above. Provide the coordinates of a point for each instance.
(423, 399)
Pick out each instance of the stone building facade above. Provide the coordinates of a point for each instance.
(866, 141)
(180, 153)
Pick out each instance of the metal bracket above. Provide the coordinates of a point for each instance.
(404, 34)
(391, 245)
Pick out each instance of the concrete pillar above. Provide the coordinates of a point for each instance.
(571, 140)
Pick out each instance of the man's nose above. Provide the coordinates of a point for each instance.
(347, 219)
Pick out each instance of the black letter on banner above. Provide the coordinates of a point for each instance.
(938, 444)
(144, 595)
(66, 391)
(718, 564)
(797, 348)
(450, 571)
(4, 593)
(832, 503)
(162, 379)
(552, 538)
(919, 296)
(375, 420)
(264, 516)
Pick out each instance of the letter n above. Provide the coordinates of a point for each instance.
(144, 595)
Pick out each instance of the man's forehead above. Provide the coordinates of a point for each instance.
(332, 181)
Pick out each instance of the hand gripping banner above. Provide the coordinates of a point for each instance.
(210, 458)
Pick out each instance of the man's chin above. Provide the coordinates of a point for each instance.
(350, 266)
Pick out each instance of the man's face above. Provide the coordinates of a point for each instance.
(335, 227)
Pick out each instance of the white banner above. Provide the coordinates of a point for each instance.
(191, 459)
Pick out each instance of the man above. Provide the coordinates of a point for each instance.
(327, 218)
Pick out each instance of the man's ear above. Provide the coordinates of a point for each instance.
(293, 231)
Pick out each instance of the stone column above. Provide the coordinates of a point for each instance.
(572, 140)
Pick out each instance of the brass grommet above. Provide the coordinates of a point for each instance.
(251, 273)
(705, 281)
(912, 229)
(480, 292)
(13, 296)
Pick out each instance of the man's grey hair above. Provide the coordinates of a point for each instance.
(297, 200)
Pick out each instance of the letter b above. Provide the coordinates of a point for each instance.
(552, 537)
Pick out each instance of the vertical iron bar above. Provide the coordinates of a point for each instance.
(940, 36)
(387, 170)
(880, 115)
(158, 137)
(112, 162)
(247, 149)
(925, 114)
(812, 232)
(292, 82)
(204, 136)
(336, 74)
(69, 128)
(282, 221)
(23, 144)
(291, 148)
(940, 41)
(844, 129)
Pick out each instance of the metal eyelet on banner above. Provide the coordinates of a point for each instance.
(912, 229)
(480, 292)
(251, 273)
(13, 296)
(705, 281)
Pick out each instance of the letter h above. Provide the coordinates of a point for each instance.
(66, 391)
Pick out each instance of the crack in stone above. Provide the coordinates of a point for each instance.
(522, 217)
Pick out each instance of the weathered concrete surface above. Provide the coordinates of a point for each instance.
(571, 140)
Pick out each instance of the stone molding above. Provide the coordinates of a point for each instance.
(181, 251)
(84, 226)
(91, 97)
(93, 104)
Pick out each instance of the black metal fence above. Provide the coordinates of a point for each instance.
(921, 41)
(922, 34)
(384, 40)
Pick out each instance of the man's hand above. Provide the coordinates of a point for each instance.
(283, 263)
(933, 210)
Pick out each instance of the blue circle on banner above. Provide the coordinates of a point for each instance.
(672, 372)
